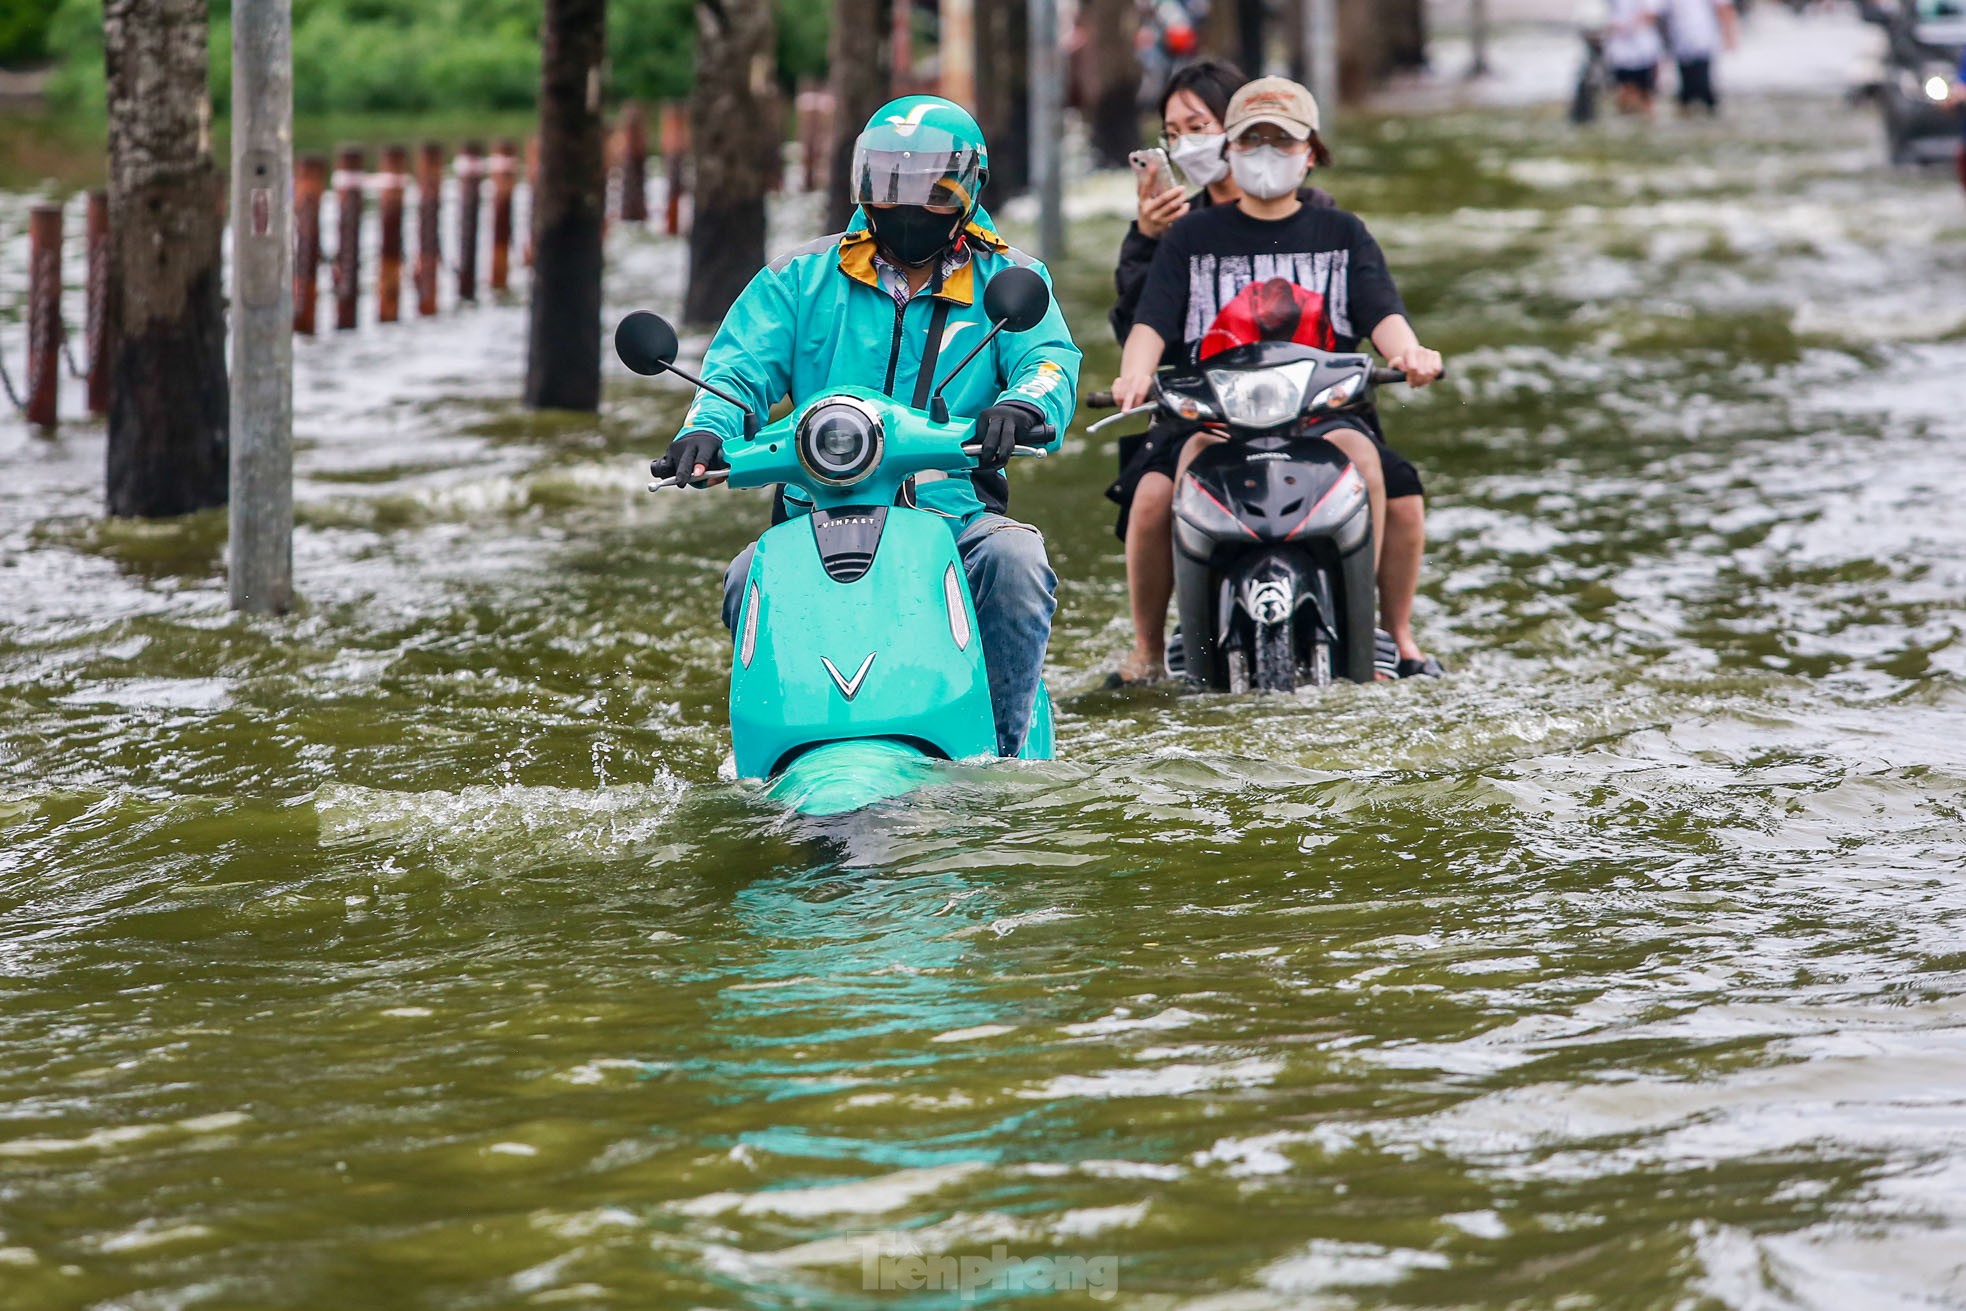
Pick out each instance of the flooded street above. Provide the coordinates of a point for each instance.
(410, 953)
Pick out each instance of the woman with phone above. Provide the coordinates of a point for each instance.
(1193, 109)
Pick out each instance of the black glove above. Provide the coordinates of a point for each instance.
(1001, 429)
(685, 453)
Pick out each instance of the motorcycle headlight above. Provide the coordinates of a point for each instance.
(1937, 89)
(1262, 398)
(840, 441)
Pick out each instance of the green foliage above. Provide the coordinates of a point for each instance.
(24, 31)
(803, 30)
(75, 35)
(416, 56)
(651, 48)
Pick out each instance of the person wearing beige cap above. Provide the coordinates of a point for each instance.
(1215, 255)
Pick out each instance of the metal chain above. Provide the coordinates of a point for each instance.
(8, 379)
(75, 370)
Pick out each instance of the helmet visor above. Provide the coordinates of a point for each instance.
(933, 172)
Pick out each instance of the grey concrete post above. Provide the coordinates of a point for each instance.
(1321, 47)
(262, 500)
(1048, 129)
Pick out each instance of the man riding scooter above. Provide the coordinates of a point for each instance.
(892, 304)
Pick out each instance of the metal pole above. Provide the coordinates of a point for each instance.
(1478, 36)
(262, 495)
(1047, 129)
(1321, 54)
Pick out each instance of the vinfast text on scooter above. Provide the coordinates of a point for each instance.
(856, 657)
(1273, 560)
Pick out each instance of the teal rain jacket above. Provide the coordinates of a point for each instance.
(818, 318)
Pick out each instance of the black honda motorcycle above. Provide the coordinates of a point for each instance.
(1273, 568)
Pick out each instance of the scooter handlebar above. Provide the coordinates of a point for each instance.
(710, 479)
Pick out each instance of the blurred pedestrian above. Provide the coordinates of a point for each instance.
(1633, 48)
(1958, 102)
(1593, 25)
(1699, 30)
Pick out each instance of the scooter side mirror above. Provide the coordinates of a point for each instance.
(1017, 298)
(646, 343)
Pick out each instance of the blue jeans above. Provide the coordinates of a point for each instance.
(1010, 580)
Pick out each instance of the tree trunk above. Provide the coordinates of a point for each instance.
(1377, 38)
(165, 319)
(1003, 94)
(860, 56)
(1235, 32)
(1113, 110)
(1406, 24)
(735, 140)
(563, 361)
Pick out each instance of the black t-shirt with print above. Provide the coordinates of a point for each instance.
(1210, 256)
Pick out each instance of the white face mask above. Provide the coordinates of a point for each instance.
(1266, 172)
(1199, 157)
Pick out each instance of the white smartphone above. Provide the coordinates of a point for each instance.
(1152, 173)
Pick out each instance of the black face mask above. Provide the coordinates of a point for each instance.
(910, 235)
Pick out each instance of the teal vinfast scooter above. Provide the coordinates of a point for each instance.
(857, 659)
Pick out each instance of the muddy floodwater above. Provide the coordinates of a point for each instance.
(411, 952)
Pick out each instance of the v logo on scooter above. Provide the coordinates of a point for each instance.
(849, 687)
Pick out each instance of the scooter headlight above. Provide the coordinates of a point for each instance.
(1262, 398)
(840, 441)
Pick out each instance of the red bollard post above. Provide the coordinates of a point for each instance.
(610, 173)
(634, 164)
(389, 290)
(532, 190)
(470, 169)
(43, 315)
(429, 225)
(351, 169)
(310, 182)
(505, 179)
(675, 163)
(97, 327)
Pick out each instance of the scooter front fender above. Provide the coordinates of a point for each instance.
(895, 653)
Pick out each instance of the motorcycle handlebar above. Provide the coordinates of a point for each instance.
(1103, 400)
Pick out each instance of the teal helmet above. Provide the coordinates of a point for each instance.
(921, 150)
